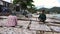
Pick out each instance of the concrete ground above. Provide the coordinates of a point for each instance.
(34, 27)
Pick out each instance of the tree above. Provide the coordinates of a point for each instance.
(23, 3)
(50, 10)
(32, 10)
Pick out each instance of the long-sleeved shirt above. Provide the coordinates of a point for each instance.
(42, 16)
(11, 21)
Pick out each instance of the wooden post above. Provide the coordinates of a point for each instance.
(37, 32)
(29, 24)
(36, 18)
(41, 32)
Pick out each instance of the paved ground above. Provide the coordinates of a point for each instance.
(34, 27)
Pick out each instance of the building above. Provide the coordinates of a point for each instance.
(4, 3)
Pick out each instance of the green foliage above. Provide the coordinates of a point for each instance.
(32, 10)
(15, 1)
(23, 3)
(51, 10)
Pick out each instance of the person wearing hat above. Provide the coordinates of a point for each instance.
(42, 16)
